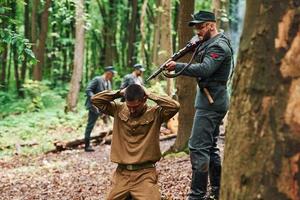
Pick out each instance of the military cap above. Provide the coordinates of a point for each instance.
(139, 67)
(110, 69)
(201, 17)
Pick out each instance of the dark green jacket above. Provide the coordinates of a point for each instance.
(212, 70)
(131, 79)
(98, 84)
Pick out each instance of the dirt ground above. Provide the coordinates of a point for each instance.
(76, 174)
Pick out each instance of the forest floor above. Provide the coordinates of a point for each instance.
(75, 174)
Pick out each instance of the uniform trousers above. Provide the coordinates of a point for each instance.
(139, 184)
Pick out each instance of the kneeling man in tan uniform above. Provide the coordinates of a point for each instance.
(135, 140)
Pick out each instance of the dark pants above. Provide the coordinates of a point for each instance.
(204, 153)
(92, 118)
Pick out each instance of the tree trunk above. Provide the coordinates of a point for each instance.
(14, 49)
(216, 8)
(157, 26)
(262, 154)
(186, 86)
(109, 16)
(27, 36)
(35, 6)
(132, 33)
(72, 98)
(143, 31)
(3, 85)
(41, 46)
(165, 44)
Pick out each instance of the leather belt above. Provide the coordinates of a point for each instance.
(133, 167)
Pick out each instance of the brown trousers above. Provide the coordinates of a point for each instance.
(140, 184)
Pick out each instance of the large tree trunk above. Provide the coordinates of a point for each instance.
(41, 46)
(186, 86)
(262, 154)
(78, 58)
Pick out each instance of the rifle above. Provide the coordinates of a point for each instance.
(191, 45)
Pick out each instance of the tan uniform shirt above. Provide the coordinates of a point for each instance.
(135, 140)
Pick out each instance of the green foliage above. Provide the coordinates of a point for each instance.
(203, 5)
(43, 127)
(40, 95)
(11, 37)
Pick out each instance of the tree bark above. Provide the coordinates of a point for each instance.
(72, 98)
(262, 154)
(186, 86)
(41, 46)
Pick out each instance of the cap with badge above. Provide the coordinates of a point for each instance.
(201, 17)
(139, 67)
(110, 69)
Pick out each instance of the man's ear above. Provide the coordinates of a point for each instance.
(145, 98)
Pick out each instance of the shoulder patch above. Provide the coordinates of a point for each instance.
(214, 55)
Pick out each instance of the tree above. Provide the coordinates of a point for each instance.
(132, 33)
(262, 154)
(41, 44)
(186, 86)
(26, 35)
(162, 48)
(72, 98)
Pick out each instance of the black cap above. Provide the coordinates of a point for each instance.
(110, 69)
(201, 17)
(139, 67)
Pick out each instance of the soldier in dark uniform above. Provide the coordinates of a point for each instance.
(135, 77)
(98, 84)
(212, 68)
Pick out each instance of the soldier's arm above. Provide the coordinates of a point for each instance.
(213, 59)
(124, 83)
(91, 87)
(168, 107)
(104, 101)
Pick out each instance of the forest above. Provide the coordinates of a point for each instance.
(52, 51)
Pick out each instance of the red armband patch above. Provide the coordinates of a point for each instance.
(214, 55)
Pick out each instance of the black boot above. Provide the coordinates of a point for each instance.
(87, 147)
(198, 185)
(215, 179)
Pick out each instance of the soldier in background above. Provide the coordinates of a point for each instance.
(136, 77)
(98, 84)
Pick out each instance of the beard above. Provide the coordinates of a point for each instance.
(206, 36)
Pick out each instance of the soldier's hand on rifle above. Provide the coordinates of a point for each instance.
(170, 66)
(122, 92)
